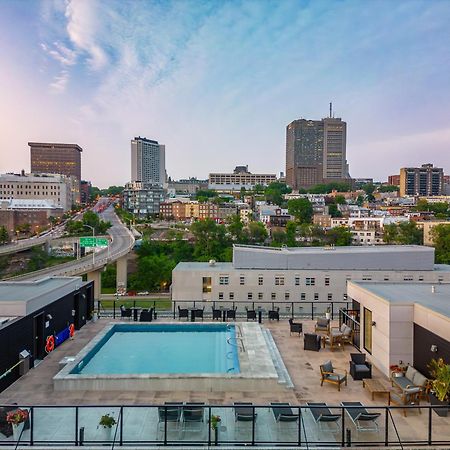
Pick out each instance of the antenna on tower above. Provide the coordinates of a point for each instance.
(331, 110)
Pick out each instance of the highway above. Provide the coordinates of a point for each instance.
(122, 241)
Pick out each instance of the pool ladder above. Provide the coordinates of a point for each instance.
(241, 347)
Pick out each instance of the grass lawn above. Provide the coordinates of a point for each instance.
(161, 304)
(107, 290)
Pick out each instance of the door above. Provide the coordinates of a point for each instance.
(39, 339)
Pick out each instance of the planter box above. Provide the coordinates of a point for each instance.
(442, 412)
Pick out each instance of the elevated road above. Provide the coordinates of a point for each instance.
(122, 241)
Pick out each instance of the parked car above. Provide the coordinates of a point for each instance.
(143, 293)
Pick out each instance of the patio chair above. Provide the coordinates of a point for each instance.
(311, 342)
(170, 413)
(407, 397)
(361, 418)
(216, 313)
(342, 334)
(282, 412)
(295, 327)
(125, 312)
(244, 412)
(274, 314)
(251, 314)
(231, 313)
(328, 375)
(198, 313)
(359, 367)
(194, 415)
(322, 326)
(146, 315)
(322, 414)
(183, 313)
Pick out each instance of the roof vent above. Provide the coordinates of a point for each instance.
(212, 262)
(433, 289)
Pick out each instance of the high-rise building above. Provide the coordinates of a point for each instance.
(148, 161)
(143, 199)
(426, 180)
(316, 152)
(63, 159)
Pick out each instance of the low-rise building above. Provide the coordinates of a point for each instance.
(302, 274)
(85, 192)
(322, 220)
(240, 178)
(143, 199)
(186, 187)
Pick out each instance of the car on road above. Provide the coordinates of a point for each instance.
(143, 293)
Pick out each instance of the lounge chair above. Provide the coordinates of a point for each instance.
(244, 412)
(216, 314)
(183, 313)
(282, 412)
(322, 414)
(170, 413)
(231, 313)
(328, 375)
(125, 312)
(295, 327)
(194, 414)
(198, 313)
(322, 326)
(362, 419)
(359, 367)
(311, 342)
(274, 314)
(251, 314)
(146, 315)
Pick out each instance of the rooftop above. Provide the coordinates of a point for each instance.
(410, 293)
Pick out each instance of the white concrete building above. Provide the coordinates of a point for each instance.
(406, 323)
(56, 190)
(302, 274)
(148, 161)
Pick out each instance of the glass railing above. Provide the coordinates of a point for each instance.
(191, 424)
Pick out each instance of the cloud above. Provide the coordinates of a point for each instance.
(59, 83)
(62, 54)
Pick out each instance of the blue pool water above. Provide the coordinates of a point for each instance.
(163, 349)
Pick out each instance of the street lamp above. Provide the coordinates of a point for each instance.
(93, 235)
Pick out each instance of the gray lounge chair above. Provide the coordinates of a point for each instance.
(282, 412)
(194, 415)
(322, 414)
(170, 413)
(244, 413)
(362, 419)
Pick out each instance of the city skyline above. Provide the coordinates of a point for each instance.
(218, 82)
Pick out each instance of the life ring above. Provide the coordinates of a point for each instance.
(50, 345)
(71, 329)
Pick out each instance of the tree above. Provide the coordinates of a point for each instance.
(235, 228)
(154, 273)
(257, 232)
(441, 238)
(405, 233)
(369, 189)
(387, 188)
(38, 259)
(327, 188)
(4, 237)
(301, 209)
(291, 233)
(279, 238)
(339, 236)
(275, 191)
(340, 200)
(210, 240)
(333, 210)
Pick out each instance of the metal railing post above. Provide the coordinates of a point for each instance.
(300, 420)
(31, 420)
(121, 426)
(292, 310)
(209, 426)
(343, 427)
(165, 425)
(76, 426)
(430, 426)
(386, 427)
(253, 426)
(312, 311)
(174, 310)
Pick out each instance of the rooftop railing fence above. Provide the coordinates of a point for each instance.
(261, 425)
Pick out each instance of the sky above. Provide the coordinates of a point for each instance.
(218, 81)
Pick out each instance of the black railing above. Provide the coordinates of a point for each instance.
(164, 425)
(166, 308)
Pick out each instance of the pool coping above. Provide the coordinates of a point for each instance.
(256, 366)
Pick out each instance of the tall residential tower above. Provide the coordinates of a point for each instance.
(148, 161)
(316, 152)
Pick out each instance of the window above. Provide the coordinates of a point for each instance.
(440, 279)
(316, 297)
(297, 281)
(386, 278)
(286, 295)
(260, 280)
(302, 296)
(273, 296)
(223, 280)
(279, 281)
(366, 278)
(242, 280)
(330, 297)
(250, 296)
(420, 278)
(260, 296)
(310, 281)
(231, 295)
(345, 297)
(220, 295)
(348, 277)
(206, 284)
(368, 330)
(327, 281)
(408, 278)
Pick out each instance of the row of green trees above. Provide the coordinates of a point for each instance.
(90, 219)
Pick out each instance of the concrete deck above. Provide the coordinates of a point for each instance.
(36, 388)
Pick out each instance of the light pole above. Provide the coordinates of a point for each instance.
(93, 236)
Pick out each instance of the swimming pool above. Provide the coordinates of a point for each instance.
(163, 349)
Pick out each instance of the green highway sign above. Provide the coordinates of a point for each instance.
(93, 242)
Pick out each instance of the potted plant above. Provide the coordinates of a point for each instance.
(440, 385)
(106, 423)
(215, 420)
(328, 313)
(396, 370)
(17, 420)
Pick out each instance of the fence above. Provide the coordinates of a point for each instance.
(256, 425)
